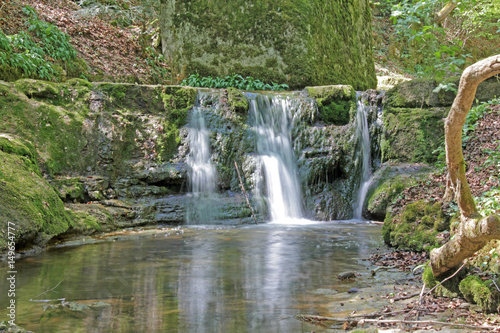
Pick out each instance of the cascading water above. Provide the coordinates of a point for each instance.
(202, 173)
(272, 122)
(363, 134)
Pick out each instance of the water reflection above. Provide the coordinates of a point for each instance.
(244, 279)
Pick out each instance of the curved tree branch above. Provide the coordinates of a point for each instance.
(474, 231)
(471, 77)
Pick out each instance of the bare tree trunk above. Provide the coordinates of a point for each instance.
(457, 182)
(473, 232)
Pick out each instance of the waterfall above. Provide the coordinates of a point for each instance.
(363, 135)
(201, 171)
(272, 122)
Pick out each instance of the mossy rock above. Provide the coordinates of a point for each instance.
(177, 102)
(416, 227)
(422, 93)
(413, 94)
(11, 144)
(334, 103)
(238, 102)
(70, 189)
(30, 203)
(37, 88)
(483, 293)
(387, 183)
(273, 41)
(412, 135)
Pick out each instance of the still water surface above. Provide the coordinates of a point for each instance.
(192, 279)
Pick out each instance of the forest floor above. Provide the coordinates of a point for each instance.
(401, 303)
(107, 49)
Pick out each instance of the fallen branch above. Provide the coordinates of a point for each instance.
(379, 314)
(47, 300)
(374, 271)
(245, 192)
(424, 322)
(311, 318)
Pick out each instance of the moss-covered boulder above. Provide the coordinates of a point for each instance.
(416, 227)
(335, 103)
(387, 184)
(428, 93)
(29, 204)
(77, 142)
(412, 134)
(483, 293)
(37, 88)
(298, 43)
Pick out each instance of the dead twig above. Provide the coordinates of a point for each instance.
(404, 297)
(379, 314)
(495, 284)
(48, 290)
(374, 271)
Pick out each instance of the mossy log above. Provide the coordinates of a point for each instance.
(471, 236)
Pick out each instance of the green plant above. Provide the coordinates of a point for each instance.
(158, 70)
(446, 87)
(489, 202)
(235, 81)
(54, 42)
(424, 45)
(36, 59)
(474, 115)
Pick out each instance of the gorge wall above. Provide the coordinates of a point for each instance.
(300, 43)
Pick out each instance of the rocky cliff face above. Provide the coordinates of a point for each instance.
(300, 43)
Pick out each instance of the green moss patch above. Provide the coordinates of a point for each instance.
(388, 182)
(412, 135)
(177, 101)
(29, 202)
(237, 101)
(416, 227)
(334, 103)
(483, 293)
(37, 88)
(70, 189)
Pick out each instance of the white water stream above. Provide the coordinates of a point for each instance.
(202, 172)
(272, 124)
(363, 134)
